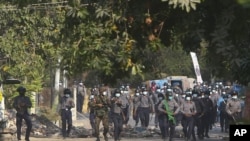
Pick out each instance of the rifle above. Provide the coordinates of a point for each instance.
(233, 117)
(105, 104)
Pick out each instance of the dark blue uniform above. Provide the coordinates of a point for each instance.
(224, 124)
(207, 118)
(200, 110)
(21, 104)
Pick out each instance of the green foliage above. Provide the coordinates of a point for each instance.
(124, 39)
(184, 4)
(244, 3)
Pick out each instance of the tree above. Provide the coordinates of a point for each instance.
(120, 38)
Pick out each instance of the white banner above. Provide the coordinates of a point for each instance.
(196, 67)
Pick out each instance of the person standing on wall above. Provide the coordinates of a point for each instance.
(81, 92)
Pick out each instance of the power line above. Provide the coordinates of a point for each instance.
(41, 6)
(36, 6)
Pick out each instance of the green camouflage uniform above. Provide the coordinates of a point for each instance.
(101, 114)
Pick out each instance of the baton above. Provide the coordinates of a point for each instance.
(234, 120)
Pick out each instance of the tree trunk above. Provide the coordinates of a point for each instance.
(56, 92)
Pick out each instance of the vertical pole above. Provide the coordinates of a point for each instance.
(51, 85)
(65, 82)
(2, 106)
(74, 111)
(56, 87)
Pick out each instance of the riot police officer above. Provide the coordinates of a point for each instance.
(179, 98)
(233, 108)
(146, 107)
(157, 112)
(66, 115)
(91, 113)
(207, 118)
(200, 110)
(188, 110)
(168, 108)
(117, 114)
(136, 103)
(21, 104)
(125, 98)
(156, 100)
(223, 114)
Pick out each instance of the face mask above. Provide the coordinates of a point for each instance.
(91, 97)
(158, 90)
(125, 92)
(160, 98)
(122, 92)
(188, 98)
(66, 95)
(137, 94)
(104, 93)
(202, 96)
(184, 96)
(145, 93)
(169, 90)
(234, 97)
(170, 97)
(195, 95)
(223, 92)
(176, 95)
(117, 95)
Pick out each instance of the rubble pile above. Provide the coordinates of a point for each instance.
(142, 132)
(43, 127)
